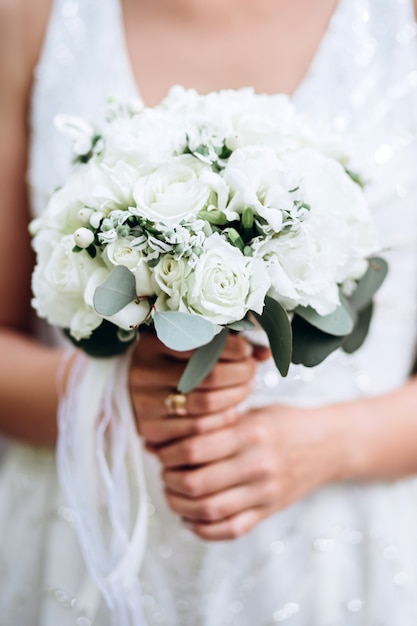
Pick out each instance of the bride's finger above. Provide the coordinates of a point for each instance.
(158, 373)
(167, 374)
(169, 428)
(224, 504)
(152, 404)
(208, 479)
(236, 348)
(227, 374)
(200, 449)
(230, 528)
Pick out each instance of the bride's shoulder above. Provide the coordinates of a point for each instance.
(23, 25)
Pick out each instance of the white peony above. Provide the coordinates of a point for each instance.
(259, 180)
(307, 264)
(225, 284)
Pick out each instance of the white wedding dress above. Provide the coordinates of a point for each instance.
(347, 554)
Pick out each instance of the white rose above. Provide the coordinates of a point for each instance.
(59, 281)
(178, 189)
(120, 252)
(143, 276)
(224, 286)
(170, 277)
(258, 179)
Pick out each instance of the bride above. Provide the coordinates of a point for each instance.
(304, 507)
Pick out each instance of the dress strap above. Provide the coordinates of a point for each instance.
(83, 62)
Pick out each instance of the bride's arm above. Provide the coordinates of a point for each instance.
(27, 369)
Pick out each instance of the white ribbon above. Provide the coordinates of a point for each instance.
(100, 466)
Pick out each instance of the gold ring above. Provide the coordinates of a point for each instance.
(176, 404)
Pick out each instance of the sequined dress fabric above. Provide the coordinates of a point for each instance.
(347, 554)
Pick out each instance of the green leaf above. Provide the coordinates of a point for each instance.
(202, 362)
(241, 325)
(92, 251)
(103, 342)
(182, 331)
(358, 335)
(369, 283)
(274, 320)
(116, 292)
(339, 323)
(310, 346)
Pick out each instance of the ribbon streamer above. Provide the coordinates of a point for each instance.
(100, 467)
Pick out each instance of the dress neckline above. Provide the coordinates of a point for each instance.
(320, 52)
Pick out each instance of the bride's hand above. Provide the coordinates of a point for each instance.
(225, 482)
(155, 373)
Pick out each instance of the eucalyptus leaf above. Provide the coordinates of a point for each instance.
(369, 283)
(339, 323)
(241, 325)
(183, 331)
(310, 345)
(202, 362)
(116, 292)
(359, 333)
(274, 320)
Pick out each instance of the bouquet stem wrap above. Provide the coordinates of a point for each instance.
(100, 466)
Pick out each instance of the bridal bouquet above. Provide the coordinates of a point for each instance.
(202, 216)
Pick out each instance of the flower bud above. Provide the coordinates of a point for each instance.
(83, 237)
(107, 224)
(233, 142)
(85, 215)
